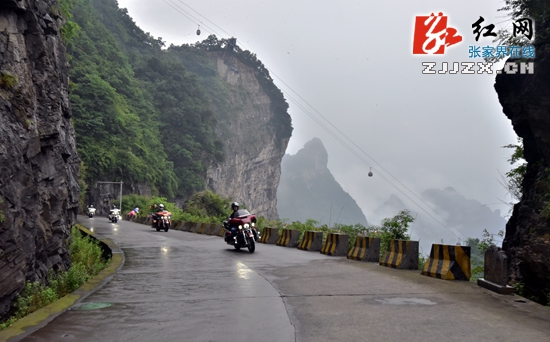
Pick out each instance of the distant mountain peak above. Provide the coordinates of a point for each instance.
(314, 153)
(308, 190)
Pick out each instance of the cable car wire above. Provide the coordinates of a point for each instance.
(327, 129)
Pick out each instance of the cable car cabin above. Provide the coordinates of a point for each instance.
(199, 31)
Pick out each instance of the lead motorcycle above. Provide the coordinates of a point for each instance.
(240, 231)
(114, 215)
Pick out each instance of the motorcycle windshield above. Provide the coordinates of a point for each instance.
(242, 212)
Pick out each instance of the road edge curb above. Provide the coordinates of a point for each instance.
(38, 319)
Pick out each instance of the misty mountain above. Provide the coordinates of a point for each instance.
(454, 217)
(307, 189)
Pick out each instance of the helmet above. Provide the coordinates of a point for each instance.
(161, 206)
(234, 204)
(91, 206)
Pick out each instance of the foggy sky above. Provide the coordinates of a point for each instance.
(352, 62)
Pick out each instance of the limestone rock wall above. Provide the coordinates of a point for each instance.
(253, 151)
(526, 102)
(39, 164)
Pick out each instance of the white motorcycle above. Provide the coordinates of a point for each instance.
(91, 212)
(114, 215)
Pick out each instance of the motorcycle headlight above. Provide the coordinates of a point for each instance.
(240, 227)
(252, 224)
(246, 225)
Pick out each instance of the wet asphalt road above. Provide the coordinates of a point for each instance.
(181, 286)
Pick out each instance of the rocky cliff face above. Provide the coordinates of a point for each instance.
(253, 150)
(38, 160)
(526, 102)
(309, 191)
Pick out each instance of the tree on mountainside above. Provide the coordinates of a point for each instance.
(138, 114)
(185, 120)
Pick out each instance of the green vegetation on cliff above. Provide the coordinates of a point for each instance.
(145, 114)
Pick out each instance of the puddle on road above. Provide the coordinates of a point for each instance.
(92, 306)
(405, 301)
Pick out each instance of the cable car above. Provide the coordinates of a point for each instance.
(199, 31)
(370, 172)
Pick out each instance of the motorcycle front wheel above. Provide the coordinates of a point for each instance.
(166, 227)
(251, 245)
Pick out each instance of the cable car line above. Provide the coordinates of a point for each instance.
(364, 161)
(365, 153)
(205, 18)
(327, 129)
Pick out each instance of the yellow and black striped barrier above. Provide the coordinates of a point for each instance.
(196, 228)
(365, 249)
(215, 229)
(311, 241)
(448, 262)
(269, 235)
(204, 228)
(401, 254)
(222, 231)
(336, 244)
(289, 238)
(187, 226)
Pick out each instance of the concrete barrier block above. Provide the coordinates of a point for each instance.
(175, 225)
(448, 262)
(204, 228)
(214, 229)
(187, 226)
(401, 254)
(196, 228)
(336, 244)
(221, 233)
(269, 235)
(289, 238)
(311, 241)
(365, 249)
(495, 271)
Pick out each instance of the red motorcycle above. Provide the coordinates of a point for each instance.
(240, 231)
(162, 220)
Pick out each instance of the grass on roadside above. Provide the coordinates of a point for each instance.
(86, 262)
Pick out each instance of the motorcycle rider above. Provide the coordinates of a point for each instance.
(235, 207)
(159, 209)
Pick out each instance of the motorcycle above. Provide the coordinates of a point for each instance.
(241, 232)
(91, 212)
(114, 215)
(162, 220)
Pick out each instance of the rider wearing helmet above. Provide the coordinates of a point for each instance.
(160, 209)
(235, 207)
